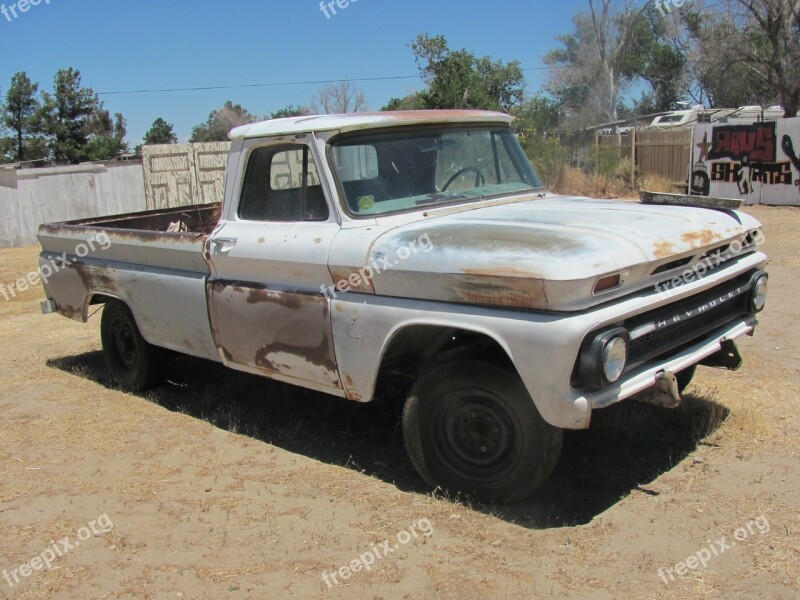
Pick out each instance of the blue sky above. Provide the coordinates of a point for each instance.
(130, 45)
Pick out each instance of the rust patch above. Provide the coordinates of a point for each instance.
(513, 292)
(94, 281)
(350, 387)
(221, 286)
(698, 239)
(262, 360)
(506, 272)
(259, 295)
(201, 218)
(317, 356)
(341, 280)
(317, 240)
(663, 249)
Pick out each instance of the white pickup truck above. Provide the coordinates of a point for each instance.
(352, 247)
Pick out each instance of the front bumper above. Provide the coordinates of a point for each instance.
(645, 376)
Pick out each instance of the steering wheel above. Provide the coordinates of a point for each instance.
(479, 178)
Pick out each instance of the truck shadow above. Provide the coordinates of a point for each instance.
(628, 446)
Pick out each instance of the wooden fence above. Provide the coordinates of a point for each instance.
(662, 152)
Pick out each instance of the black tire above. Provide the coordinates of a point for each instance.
(134, 364)
(685, 378)
(471, 427)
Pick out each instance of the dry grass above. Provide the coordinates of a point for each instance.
(575, 182)
(655, 183)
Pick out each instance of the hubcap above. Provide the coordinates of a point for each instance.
(476, 434)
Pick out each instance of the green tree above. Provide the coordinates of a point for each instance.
(106, 135)
(69, 116)
(537, 125)
(290, 110)
(460, 79)
(160, 133)
(220, 122)
(104, 147)
(414, 101)
(653, 58)
(21, 114)
(537, 116)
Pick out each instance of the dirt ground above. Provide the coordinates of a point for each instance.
(221, 485)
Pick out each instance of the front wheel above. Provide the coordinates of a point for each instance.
(133, 363)
(470, 426)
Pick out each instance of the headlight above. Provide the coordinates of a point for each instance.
(759, 297)
(615, 354)
(603, 358)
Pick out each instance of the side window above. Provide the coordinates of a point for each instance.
(356, 163)
(282, 184)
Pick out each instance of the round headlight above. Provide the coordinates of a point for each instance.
(615, 355)
(760, 293)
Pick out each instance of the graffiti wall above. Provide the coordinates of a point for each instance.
(759, 163)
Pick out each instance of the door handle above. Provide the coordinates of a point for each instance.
(222, 245)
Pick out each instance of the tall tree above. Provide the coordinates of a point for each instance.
(21, 115)
(338, 98)
(220, 122)
(120, 126)
(460, 79)
(160, 133)
(653, 58)
(595, 64)
(69, 116)
(750, 48)
(105, 141)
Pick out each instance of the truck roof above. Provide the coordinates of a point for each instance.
(356, 121)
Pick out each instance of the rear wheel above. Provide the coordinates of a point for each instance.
(470, 426)
(133, 363)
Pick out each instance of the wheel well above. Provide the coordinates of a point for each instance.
(101, 299)
(417, 348)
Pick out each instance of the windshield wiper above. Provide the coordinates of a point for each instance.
(436, 198)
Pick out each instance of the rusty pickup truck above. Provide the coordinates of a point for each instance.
(352, 248)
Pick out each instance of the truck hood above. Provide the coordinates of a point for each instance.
(547, 253)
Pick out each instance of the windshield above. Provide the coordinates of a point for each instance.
(394, 171)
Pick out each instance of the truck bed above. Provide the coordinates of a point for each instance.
(153, 261)
(197, 218)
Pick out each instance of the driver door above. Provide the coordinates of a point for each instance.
(268, 313)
